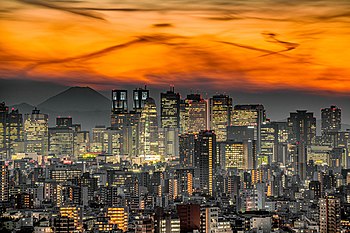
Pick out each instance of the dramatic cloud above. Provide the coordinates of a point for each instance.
(219, 44)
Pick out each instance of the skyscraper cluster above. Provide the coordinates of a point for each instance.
(185, 164)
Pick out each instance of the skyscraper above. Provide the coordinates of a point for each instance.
(302, 127)
(119, 101)
(195, 108)
(331, 119)
(11, 130)
(36, 132)
(140, 96)
(329, 215)
(170, 109)
(205, 160)
(186, 149)
(149, 131)
(220, 115)
(250, 115)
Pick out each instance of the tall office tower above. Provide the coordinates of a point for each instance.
(220, 115)
(330, 124)
(11, 131)
(205, 160)
(119, 217)
(209, 219)
(139, 99)
(268, 143)
(168, 143)
(184, 115)
(119, 101)
(330, 215)
(250, 115)
(331, 119)
(61, 137)
(240, 155)
(170, 109)
(112, 142)
(189, 215)
(186, 149)
(302, 127)
(149, 131)
(195, 108)
(298, 161)
(4, 182)
(129, 124)
(36, 135)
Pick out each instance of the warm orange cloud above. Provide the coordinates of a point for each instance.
(249, 45)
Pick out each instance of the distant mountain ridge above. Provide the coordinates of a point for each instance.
(85, 105)
(77, 99)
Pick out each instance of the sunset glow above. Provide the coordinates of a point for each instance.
(247, 45)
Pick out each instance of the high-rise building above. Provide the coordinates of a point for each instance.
(170, 109)
(61, 137)
(220, 115)
(194, 115)
(168, 142)
(129, 124)
(186, 149)
(140, 97)
(184, 116)
(330, 215)
(11, 131)
(250, 115)
(331, 119)
(4, 182)
(119, 101)
(238, 155)
(36, 132)
(149, 131)
(205, 160)
(302, 127)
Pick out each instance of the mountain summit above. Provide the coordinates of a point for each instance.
(77, 99)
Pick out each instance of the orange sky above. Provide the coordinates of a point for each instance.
(218, 44)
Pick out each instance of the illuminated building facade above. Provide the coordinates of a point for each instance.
(250, 115)
(170, 109)
(119, 217)
(239, 155)
(149, 131)
(4, 182)
(36, 132)
(11, 130)
(220, 115)
(205, 160)
(73, 213)
(195, 112)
